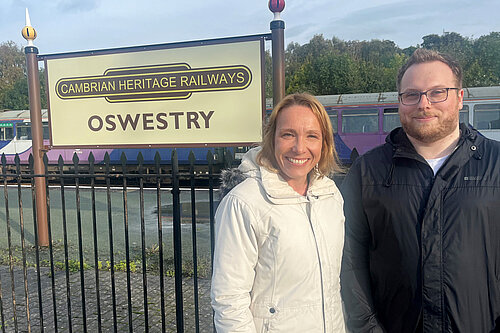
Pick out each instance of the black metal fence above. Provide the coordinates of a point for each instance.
(129, 250)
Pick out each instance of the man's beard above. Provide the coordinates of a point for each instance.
(429, 133)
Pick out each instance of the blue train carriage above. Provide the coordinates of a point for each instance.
(16, 138)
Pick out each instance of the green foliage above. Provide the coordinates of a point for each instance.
(333, 66)
(268, 72)
(13, 79)
(16, 97)
(487, 55)
(73, 265)
(478, 58)
(321, 67)
(324, 67)
(12, 64)
(118, 267)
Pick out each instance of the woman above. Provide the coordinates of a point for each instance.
(280, 232)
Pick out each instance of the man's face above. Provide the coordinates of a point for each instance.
(429, 122)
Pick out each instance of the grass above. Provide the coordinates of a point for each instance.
(104, 223)
(120, 265)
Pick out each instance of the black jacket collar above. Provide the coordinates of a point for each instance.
(403, 147)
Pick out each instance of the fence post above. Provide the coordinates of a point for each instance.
(192, 160)
(176, 203)
(160, 239)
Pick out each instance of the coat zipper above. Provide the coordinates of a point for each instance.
(308, 214)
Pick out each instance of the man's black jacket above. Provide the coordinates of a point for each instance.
(419, 247)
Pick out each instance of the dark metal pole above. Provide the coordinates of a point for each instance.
(176, 203)
(278, 50)
(37, 139)
(278, 54)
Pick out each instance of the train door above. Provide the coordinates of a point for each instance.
(23, 141)
(22, 144)
(343, 151)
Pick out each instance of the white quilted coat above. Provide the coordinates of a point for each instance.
(277, 255)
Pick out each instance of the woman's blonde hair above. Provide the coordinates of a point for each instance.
(328, 163)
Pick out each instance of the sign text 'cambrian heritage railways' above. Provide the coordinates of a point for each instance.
(149, 83)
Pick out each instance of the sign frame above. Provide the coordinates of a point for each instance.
(177, 45)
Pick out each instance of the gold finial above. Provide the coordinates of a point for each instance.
(28, 31)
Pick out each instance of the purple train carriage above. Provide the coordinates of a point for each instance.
(362, 121)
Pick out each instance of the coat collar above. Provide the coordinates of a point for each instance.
(403, 147)
(275, 187)
(470, 145)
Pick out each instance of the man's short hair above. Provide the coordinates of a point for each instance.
(424, 55)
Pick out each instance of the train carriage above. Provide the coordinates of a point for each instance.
(363, 120)
(360, 122)
(15, 138)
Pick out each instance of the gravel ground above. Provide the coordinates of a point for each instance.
(119, 321)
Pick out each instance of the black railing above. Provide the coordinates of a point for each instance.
(128, 251)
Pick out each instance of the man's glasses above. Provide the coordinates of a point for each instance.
(437, 95)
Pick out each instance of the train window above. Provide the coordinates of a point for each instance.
(360, 121)
(6, 131)
(487, 116)
(391, 119)
(333, 120)
(46, 132)
(464, 115)
(23, 131)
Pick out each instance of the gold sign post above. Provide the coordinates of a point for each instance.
(36, 131)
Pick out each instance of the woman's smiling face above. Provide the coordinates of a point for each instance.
(297, 144)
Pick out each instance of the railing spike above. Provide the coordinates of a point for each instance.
(75, 159)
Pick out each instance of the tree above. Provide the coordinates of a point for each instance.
(325, 75)
(12, 66)
(296, 56)
(268, 72)
(334, 66)
(17, 98)
(452, 43)
(13, 79)
(487, 51)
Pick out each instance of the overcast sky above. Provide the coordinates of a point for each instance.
(74, 25)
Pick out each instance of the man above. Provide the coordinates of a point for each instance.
(422, 251)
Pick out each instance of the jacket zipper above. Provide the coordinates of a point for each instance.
(266, 326)
(308, 214)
